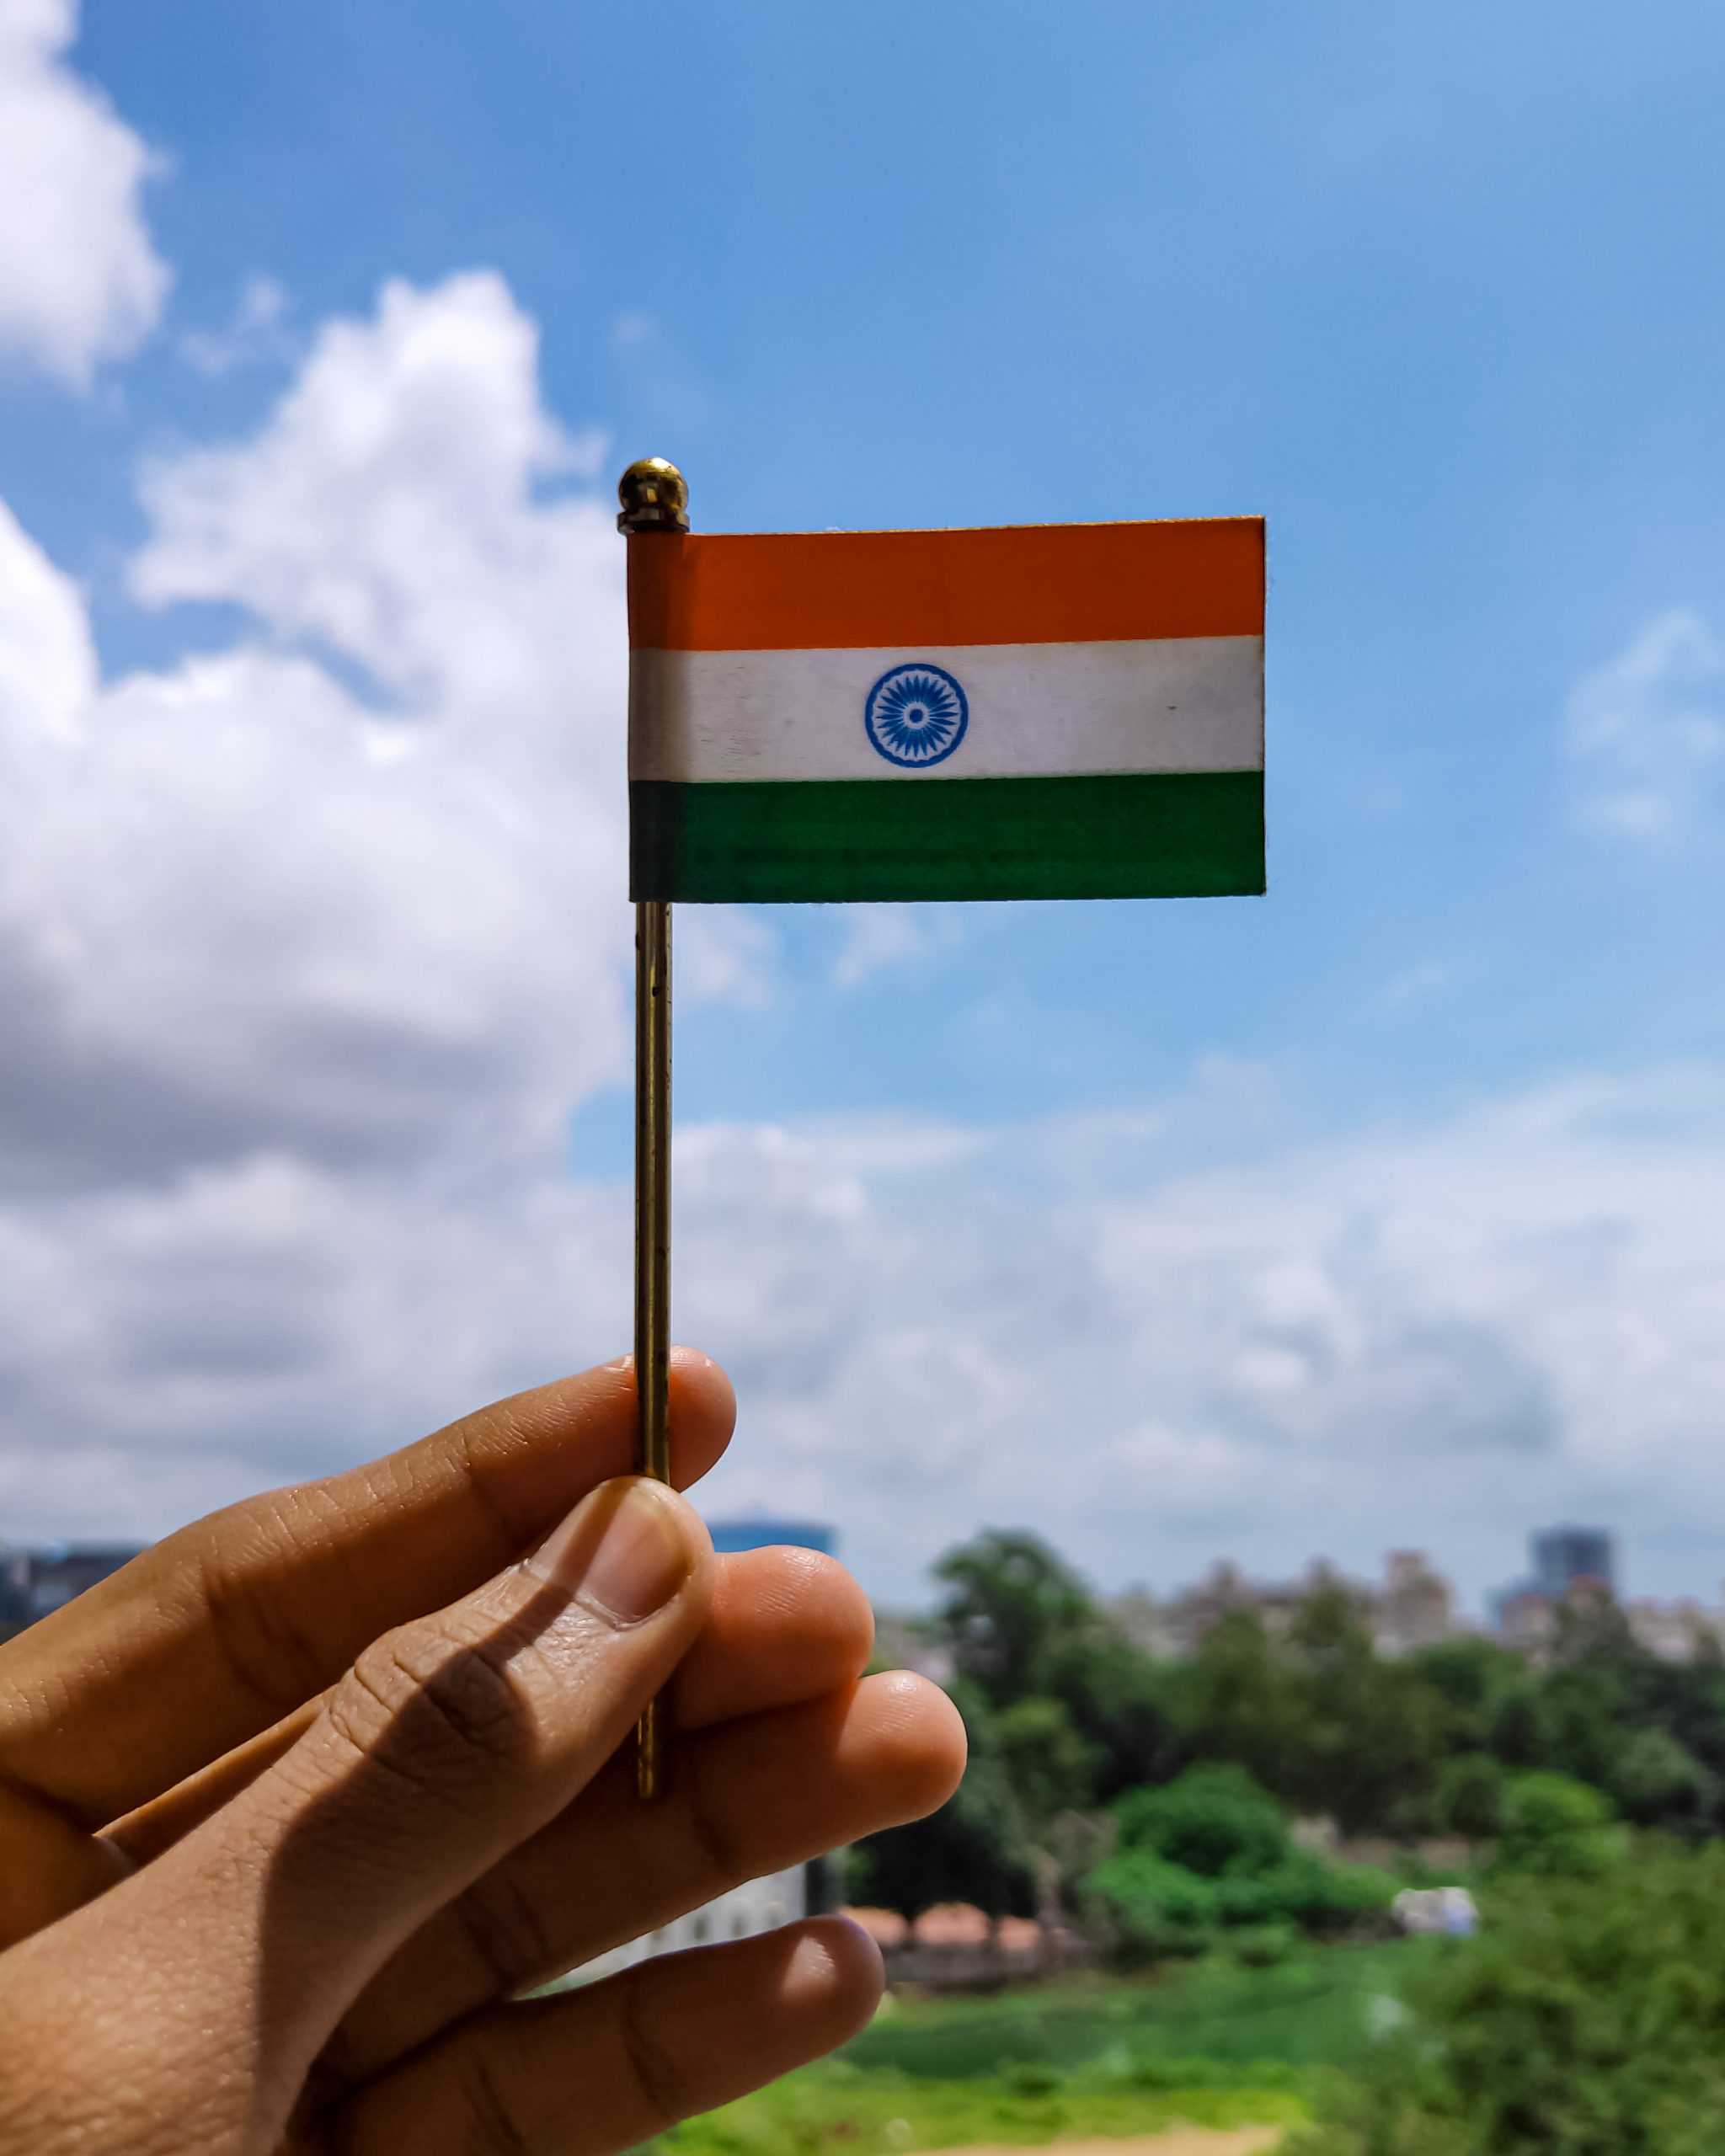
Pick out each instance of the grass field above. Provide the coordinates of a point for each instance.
(1210, 2042)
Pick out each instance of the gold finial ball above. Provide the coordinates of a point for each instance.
(654, 496)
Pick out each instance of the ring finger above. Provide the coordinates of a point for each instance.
(750, 1797)
(606, 2067)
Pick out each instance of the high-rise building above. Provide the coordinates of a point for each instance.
(33, 1582)
(731, 1536)
(1566, 1557)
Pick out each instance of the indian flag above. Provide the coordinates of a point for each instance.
(1032, 711)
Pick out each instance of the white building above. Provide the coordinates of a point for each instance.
(758, 1905)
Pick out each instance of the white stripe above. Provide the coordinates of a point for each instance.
(1168, 704)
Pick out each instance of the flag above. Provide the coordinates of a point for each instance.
(1028, 712)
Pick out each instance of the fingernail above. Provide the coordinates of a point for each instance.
(622, 1551)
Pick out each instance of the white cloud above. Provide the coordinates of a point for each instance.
(80, 282)
(880, 937)
(1444, 1335)
(724, 954)
(47, 659)
(243, 907)
(1646, 732)
(256, 331)
(391, 511)
(164, 1348)
(310, 946)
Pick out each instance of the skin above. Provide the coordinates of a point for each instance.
(293, 1808)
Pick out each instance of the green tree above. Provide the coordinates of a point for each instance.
(1587, 2020)
(1209, 1820)
(1555, 1827)
(1687, 1701)
(1120, 1702)
(1515, 1725)
(1658, 1782)
(1210, 1850)
(1011, 1606)
(1469, 1674)
(1371, 1732)
(1583, 1708)
(1237, 1700)
(1469, 1797)
(1047, 1762)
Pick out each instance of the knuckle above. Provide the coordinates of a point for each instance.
(271, 1659)
(445, 1714)
(506, 1931)
(515, 1530)
(715, 1843)
(494, 2130)
(664, 2087)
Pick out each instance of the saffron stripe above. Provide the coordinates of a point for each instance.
(1012, 584)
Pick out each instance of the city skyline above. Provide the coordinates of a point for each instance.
(1413, 1605)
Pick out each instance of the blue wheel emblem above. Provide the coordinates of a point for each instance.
(916, 715)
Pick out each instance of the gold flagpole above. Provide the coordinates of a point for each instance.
(654, 498)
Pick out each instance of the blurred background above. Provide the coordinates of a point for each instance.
(1286, 1264)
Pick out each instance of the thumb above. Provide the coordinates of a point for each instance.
(455, 1736)
(450, 1740)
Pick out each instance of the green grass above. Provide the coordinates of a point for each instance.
(826, 2109)
(1311, 2009)
(1209, 2042)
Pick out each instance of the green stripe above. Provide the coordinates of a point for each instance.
(1159, 834)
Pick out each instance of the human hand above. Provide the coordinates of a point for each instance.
(293, 1807)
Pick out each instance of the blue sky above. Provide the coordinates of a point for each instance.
(1436, 292)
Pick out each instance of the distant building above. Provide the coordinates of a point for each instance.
(1572, 1566)
(730, 1537)
(1569, 1597)
(1684, 1630)
(35, 1582)
(1527, 1619)
(1176, 1629)
(1138, 1617)
(757, 1905)
(1567, 1557)
(1226, 1591)
(1413, 1607)
(902, 1642)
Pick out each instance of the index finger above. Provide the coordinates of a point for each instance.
(218, 1631)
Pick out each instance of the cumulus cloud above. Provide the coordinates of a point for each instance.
(309, 947)
(391, 511)
(1646, 732)
(877, 938)
(165, 1346)
(256, 331)
(1446, 1334)
(1443, 1335)
(251, 902)
(80, 281)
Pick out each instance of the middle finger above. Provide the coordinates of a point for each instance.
(785, 1625)
(748, 1798)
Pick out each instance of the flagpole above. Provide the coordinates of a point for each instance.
(654, 498)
